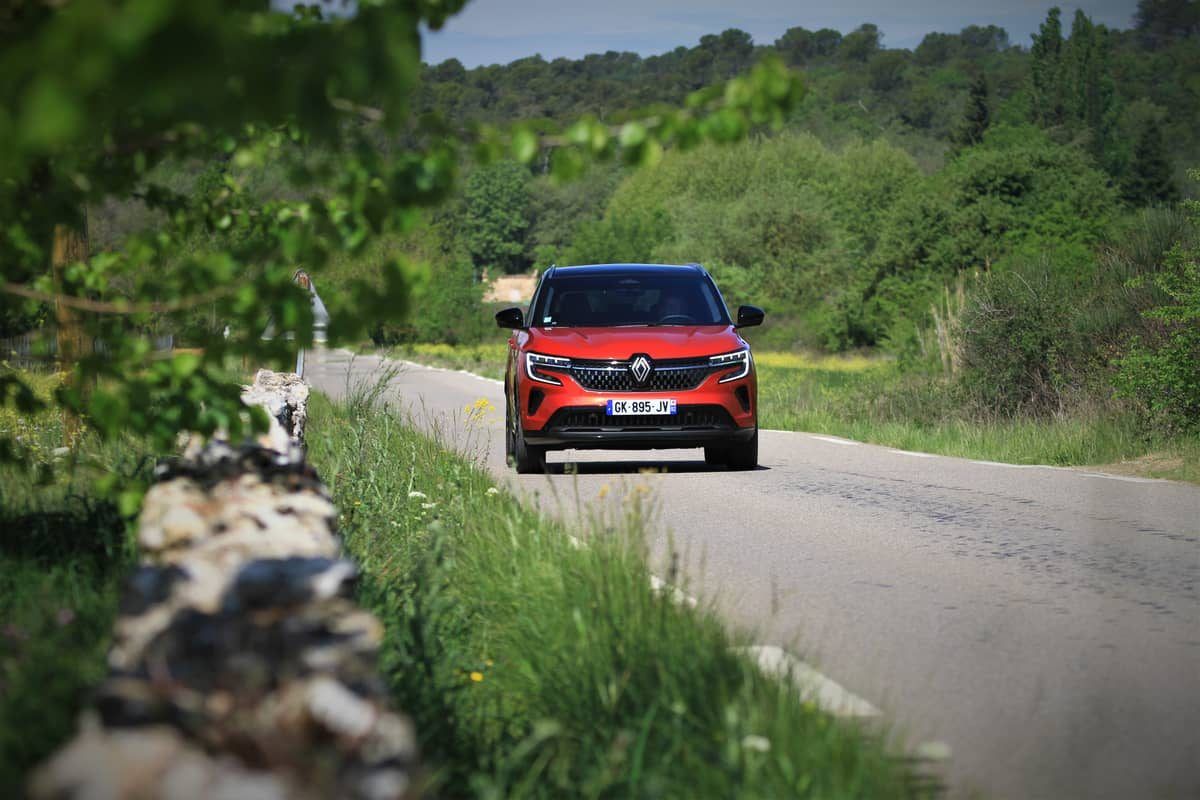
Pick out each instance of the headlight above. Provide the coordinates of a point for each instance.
(738, 361)
(537, 366)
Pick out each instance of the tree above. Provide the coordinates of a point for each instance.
(936, 49)
(1088, 82)
(1149, 179)
(1048, 103)
(497, 216)
(1072, 84)
(799, 46)
(886, 69)
(796, 46)
(983, 39)
(976, 117)
(100, 99)
(861, 43)
(1160, 21)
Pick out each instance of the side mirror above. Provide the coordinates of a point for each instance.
(510, 318)
(749, 316)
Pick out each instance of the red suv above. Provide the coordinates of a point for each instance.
(629, 356)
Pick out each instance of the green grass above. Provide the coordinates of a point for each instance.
(871, 400)
(534, 668)
(63, 553)
(876, 402)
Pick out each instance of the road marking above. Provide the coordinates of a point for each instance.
(828, 695)
(911, 453)
(834, 440)
(1126, 478)
(447, 369)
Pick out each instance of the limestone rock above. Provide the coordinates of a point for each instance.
(241, 666)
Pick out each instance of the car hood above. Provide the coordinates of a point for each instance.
(668, 341)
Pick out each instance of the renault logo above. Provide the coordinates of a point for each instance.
(641, 369)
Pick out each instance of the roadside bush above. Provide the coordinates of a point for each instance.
(449, 308)
(1162, 368)
(1016, 196)
(1140, 248)
(1019, 350)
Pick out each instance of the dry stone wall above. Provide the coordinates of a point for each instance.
(241, 666)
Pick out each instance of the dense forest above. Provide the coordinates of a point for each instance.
(1104, 89)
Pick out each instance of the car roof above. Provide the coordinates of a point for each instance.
(625, 269)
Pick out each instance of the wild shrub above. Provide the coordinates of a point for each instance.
(1162, 367)
(1020, 352)
(1016, 195)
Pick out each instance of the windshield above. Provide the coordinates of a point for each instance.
(610, 300)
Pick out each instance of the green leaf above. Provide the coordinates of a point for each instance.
(524, 145)
(50, 116)
(129, 501)
(184, 364)
(632, 134)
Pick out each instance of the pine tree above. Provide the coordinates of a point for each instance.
(1149, 179)
(977, 115)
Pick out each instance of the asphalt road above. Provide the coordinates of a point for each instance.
(1043, 623)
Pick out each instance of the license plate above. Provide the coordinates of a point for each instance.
(617, 408)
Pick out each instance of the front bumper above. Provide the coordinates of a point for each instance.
(570, 416)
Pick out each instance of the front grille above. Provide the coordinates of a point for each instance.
(668, 376)
(593, 418)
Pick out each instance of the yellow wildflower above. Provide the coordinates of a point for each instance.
(476, 676)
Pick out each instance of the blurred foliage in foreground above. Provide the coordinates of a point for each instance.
(182, 106)
(63, 553)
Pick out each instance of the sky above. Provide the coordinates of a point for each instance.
(500, 31)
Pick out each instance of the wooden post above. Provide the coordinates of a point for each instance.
(70, 245)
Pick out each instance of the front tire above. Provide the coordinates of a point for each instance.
(742, 455)
(527, 459)
(714, 455)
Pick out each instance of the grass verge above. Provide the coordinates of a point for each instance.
(63, 553)
(871, 400)
(534, 668)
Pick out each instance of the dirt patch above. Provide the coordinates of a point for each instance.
(511, 289)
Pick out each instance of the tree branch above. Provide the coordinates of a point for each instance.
(117, 306)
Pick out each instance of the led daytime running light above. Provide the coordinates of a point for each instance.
(738, 358)
(535, 360)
